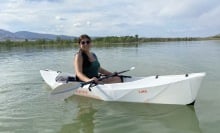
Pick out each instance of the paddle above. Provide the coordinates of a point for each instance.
(108, 76)
(66, 90)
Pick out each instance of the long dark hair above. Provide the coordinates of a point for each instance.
(86, 61)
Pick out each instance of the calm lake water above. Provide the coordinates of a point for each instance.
(25, 107)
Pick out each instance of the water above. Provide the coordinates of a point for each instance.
(25, 107)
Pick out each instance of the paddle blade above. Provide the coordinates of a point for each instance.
(64, 91)
(132, 68)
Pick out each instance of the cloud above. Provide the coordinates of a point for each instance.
(77, 24)
(115, 17)
(60, 18)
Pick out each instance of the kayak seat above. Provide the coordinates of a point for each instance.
(71, 78)
(123, 76)
(65, 78)
(122, 79)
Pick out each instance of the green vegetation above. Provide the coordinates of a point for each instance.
(216, 36)
(39, 42)
(101, 41)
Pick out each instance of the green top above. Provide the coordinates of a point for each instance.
(92, 69)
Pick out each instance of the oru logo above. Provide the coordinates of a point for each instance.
(142, 91)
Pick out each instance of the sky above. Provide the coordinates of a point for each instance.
(146, 18)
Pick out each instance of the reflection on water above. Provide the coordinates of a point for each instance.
(84, 121)
(98, 116)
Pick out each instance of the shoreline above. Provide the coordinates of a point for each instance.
(102, 41)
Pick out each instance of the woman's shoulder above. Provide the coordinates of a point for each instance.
(78, 54)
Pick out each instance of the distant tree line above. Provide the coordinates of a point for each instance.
(99, 40)
(168, 39)
(116, 39)
(58, 41)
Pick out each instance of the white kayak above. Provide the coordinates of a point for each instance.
(169, 89)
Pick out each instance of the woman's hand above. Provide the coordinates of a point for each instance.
(93, 79)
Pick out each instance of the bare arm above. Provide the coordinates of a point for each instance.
(103, 71)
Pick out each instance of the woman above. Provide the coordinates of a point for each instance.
(87, 66)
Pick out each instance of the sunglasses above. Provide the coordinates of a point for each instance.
(84, 42)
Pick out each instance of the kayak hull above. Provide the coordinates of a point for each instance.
(169, 89)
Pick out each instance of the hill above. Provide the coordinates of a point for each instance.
(23, 35)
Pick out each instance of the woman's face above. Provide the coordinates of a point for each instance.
(85, 44)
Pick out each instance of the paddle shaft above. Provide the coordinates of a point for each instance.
(112, 75)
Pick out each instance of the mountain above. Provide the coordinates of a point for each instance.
(22, 35)
(4, 35)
